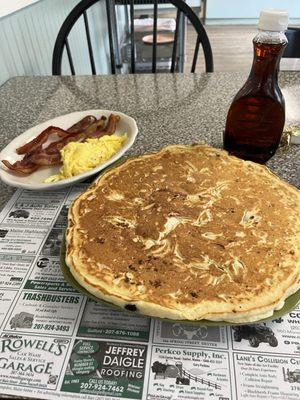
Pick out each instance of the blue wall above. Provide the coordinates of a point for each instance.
(247, 11)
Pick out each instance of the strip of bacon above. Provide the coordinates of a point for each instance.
(109, 129)
(42, 158)
(94, 130)
(41, 138)
(87, 124)
(51, 154)
(112, 124)
(96, 126)
(23, 167)
(83, 124)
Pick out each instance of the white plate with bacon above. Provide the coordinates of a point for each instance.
(29, 159)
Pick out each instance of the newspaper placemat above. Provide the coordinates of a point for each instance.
(57, 344)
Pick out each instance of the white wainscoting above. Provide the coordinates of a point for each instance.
(27, 39)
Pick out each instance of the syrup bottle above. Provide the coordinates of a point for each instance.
(256, 116)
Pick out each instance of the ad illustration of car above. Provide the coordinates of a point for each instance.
(291, 376)
(19, 214)
(21, 320)
(255, 334)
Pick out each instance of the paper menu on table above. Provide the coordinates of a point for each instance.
(292, 117)
(55, 343)
(292, 107)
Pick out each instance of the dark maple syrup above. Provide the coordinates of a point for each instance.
(256, 116)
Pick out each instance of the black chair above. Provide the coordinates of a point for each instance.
(293, 48)
(81, 11)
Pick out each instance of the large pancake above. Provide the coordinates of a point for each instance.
(188, 233)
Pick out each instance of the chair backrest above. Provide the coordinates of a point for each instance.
(80, 10)
(293, 48)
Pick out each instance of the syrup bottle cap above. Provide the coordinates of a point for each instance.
(273, 20)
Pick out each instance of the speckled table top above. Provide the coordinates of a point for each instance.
(168, 108)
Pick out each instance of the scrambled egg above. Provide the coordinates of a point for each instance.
(82, 157)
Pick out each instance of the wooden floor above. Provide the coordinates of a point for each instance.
(232, 49)
(231, 46)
